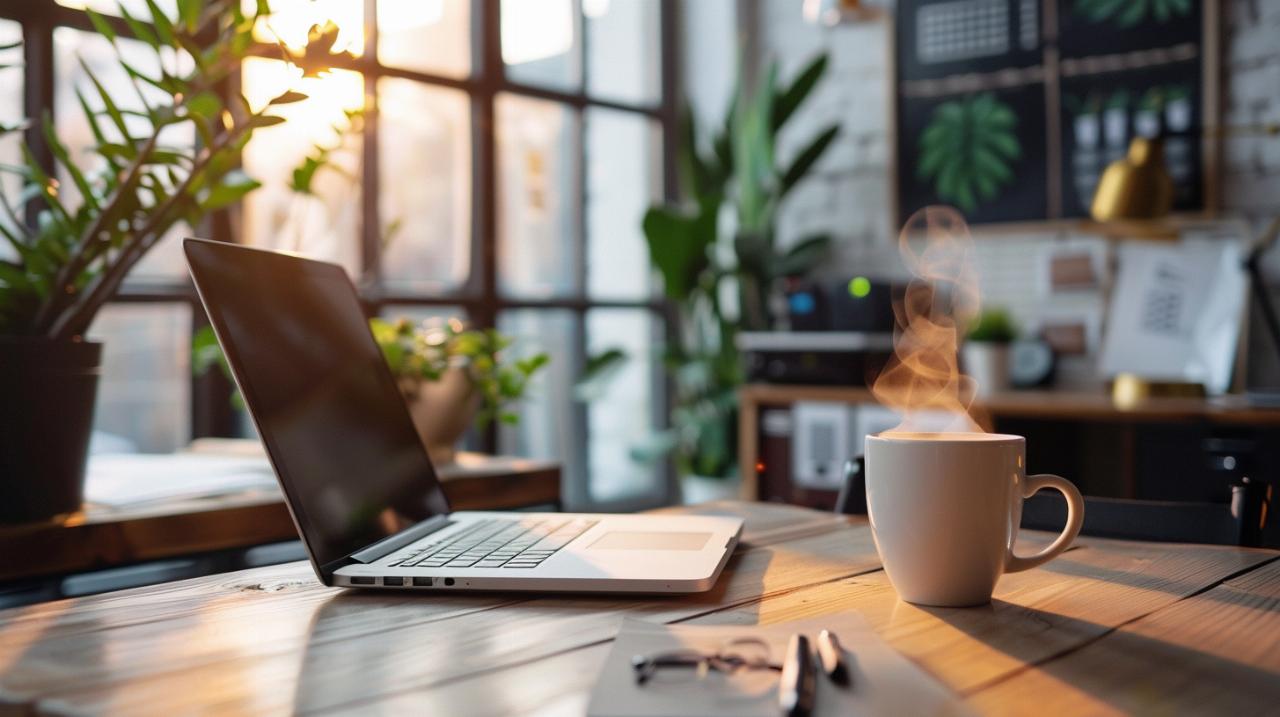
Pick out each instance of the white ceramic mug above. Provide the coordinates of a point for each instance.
(945, 510)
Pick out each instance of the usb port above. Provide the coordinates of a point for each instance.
(392, 581)
(360, 580)
(422, 582)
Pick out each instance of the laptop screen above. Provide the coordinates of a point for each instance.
(325, 403)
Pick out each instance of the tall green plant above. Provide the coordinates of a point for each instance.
(702, 264)
(73, 258)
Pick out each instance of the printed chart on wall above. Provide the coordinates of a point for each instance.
(1009, 110)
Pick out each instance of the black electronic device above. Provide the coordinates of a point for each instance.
(857, 303)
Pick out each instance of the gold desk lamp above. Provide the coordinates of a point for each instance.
(1133, 199)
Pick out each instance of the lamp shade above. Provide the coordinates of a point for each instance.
(1136, 187)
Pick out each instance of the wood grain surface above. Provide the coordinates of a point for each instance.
(1108, 627)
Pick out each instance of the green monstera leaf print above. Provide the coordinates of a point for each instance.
(968, 150)
(1127, 13)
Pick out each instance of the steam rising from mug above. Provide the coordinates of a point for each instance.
(922, 379)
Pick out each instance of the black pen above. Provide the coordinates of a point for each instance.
(796, 688)
(832, 656)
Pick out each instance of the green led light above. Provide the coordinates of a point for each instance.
(859, 286)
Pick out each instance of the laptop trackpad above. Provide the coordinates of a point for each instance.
(640, 540)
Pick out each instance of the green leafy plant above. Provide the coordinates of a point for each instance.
(1128, 13)
(71, 259)
(968, 150)
(1118, 100)
(1152, 100)
(993, 326)
(425, 353)
(736, 166)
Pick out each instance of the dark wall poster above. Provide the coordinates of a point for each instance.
(1009, 110)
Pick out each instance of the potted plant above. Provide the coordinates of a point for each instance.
(1177, 109)
(451, 377)
(986, 351)
(1146, 121)
(1086, 123)
(1115, 119)
(67, 258)
(702, 264)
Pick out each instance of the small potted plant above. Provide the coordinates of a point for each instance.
(451, 377)
(1177, 109)
(1146, 121)
(1115, 119)
(986, 351)
(1087, 121)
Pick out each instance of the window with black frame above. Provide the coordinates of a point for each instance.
(484, 159)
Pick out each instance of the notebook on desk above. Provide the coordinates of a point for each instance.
(883, 681)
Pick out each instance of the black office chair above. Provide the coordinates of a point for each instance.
(1240, 522)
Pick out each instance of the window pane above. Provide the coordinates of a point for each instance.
(540, 42)
(624, 176)
(164, 262)
(325, 222)
(11, 84)
(537, 194)
(425, 189)
(622, 50)
(423, 314)
(548, 425)
(622, 418)
(144, 395)
(291, 20)
(426, 35)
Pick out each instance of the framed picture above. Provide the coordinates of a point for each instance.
(1009, 110)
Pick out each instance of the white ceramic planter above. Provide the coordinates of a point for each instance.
(1087, 131)
(988, 364)
(1115, 126)
(1147, 123)
(442, 411)
(705, 489)
(1178, 115)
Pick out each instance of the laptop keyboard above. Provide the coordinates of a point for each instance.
(496, 543)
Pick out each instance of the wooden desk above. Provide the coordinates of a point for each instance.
(101, 536)
(1109, 627)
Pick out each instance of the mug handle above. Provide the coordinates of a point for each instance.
(1075, 519)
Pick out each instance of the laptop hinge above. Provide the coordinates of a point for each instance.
(393, 543)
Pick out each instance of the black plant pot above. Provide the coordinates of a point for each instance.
(47, 394)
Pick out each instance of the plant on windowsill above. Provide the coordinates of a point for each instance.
(65, 257)
(451, 377)
(985, 352)
(722, 280)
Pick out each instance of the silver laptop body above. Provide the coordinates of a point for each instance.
(359, 485)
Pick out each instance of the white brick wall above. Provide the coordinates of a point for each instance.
(850, 194)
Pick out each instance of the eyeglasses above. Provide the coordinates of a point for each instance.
(746, 654)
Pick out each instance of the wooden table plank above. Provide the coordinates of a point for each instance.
(272, 640)
(1217, 652)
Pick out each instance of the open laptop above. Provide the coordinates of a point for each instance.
(358, 481)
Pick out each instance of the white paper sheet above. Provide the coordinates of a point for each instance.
(884, 682)
(130, 479)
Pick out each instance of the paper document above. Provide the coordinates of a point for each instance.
(120, 480)
(884, 682)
